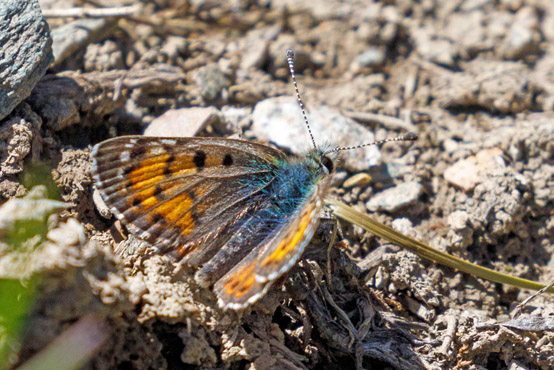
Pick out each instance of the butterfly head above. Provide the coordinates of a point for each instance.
(321, 162)
(327, 164)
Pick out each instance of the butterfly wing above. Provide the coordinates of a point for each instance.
(287, 246)
(181, 193)
(251, 278)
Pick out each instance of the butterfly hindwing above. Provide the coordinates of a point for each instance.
(249, 280)
(287, 246)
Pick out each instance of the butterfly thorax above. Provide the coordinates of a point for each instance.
(294, 180)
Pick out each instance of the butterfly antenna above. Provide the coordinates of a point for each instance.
(290, 61)
(410, 136)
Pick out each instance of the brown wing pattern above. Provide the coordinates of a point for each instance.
(180, 192)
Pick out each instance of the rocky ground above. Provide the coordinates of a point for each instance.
(474, 79)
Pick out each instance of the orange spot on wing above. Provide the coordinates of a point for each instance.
(214, 160)
(153, 170)
(241, 282)
(149, 172)
(150, 196)
(147, 182)
(145, 198)
(289, 243)
(185, 224)
(175, 207)
(183, 164)
(177, 212)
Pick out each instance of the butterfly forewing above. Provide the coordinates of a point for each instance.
(169, 191)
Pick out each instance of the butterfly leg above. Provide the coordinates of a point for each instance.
(331, 229)
(332, 239)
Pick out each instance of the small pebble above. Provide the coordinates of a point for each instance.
(358, 179)
(467, 173)
(393, 199)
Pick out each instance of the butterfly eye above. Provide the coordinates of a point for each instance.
(327, 164)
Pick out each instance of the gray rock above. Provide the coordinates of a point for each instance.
(497, 86)
(256, 46)
(467, 31)
(524, 36)
(460, 234)
(236, 119)
(404, 226)
(393, 199)
(103, 57)
(26, 51)
(279, 120)
(211, 81)
(437, 50)
(76, 35)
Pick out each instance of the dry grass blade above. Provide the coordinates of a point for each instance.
(347, 213)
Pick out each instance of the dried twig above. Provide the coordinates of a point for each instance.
(61, 99)
(92, 12)
(368, 314)
(389, 122)
(306, 323)
(293, 359)
(452, 324)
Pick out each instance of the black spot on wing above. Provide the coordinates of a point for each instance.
(158, 192)
(130, 168)
(199, 159)
(168, 163)
(138, 151)
(158, 218)
(228, 160)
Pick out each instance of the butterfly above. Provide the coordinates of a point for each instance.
(242, 213)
